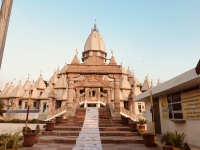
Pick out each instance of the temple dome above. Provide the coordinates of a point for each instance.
(95, 41)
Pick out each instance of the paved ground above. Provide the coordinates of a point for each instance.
(104, 146)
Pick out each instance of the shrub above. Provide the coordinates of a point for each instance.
(10, 141)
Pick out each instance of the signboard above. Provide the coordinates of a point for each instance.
(164, 107)
(191, 105)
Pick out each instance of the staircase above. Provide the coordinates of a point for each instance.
(111, 131)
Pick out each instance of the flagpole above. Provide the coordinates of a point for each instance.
(29, 100)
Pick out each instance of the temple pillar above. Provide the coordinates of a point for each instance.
(70, 91)
(108, 95)
(116, 95)
(77, 95)
(70, 94)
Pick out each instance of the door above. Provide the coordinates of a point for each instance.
(44, 106)
(156, 116)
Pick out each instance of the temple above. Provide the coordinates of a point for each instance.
(97, 81)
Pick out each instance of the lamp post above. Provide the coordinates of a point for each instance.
(29, 100)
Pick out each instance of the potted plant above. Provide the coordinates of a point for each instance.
(49, 126)
(165, 139)
(29, 136)
(125, 120)
(133, 126)
(59, 119)
(10, 141)
(141, 123)
(177, 140)
(149, 139)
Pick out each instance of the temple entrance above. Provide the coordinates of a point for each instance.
(91, 105)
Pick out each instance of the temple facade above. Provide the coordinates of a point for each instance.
(93, 82)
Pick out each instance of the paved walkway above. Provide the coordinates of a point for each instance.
(89, 137)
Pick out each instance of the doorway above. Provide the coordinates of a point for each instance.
(91, 105)
(58, 104)
(44, 106)
(156, 116)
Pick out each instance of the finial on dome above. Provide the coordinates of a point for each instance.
(20, 81)
(40, 74)
(76, 51)
(28, 76)
(146, 78)
(95, 25)
(112, 52)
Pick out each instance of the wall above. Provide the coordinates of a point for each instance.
(190, 127)
(21, 116)
(14, 127)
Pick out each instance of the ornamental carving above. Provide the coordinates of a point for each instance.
(93, 77)
(94, 60)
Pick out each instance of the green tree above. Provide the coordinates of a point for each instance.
(1, 107)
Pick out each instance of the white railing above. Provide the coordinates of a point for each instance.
(126, 113)
(102, 100)
(56, 112)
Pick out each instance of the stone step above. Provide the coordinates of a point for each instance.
(68, 128)
(99, 124)
(104, 140)
(102, 133)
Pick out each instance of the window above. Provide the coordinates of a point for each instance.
(93, 93)
(20, 103)
(34, 104)
(175, 106)
(126, 105)
(26, 105)
(139, 107)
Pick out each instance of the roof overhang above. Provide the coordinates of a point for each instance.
(95, 69)
(181, 82)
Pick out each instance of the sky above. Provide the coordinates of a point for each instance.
(158, 38)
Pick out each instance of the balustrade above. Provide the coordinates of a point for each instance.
(57, 111)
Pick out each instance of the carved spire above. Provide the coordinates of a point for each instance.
(75, 61)
(112, 61)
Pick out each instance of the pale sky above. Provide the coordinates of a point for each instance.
(161, 38)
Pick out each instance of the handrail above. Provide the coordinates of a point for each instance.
(56, 111)
(127, 113)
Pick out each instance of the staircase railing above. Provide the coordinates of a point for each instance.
(126, 113)
(56, 112)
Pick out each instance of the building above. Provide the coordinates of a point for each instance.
(176, 105)
(96, 81)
